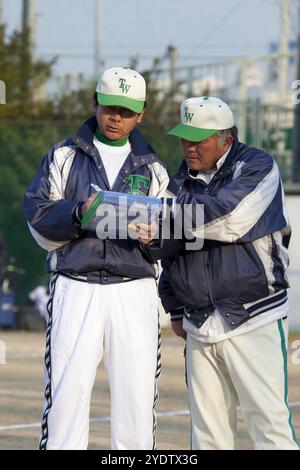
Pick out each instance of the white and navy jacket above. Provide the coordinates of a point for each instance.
(68, 176)
(246, 237)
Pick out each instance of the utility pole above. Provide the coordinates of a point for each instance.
(97, 61)
(172, 55)
(296, 153)
(1, 11)
(243, 95)
(283, 62)
(29, 20)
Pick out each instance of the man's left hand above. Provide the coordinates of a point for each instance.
(142, 232)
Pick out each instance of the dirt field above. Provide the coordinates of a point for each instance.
(21, 396)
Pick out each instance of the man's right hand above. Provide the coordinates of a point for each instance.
(178, 330)
(88, 203)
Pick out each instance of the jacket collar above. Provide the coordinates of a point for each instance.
(227, 167)
(142, 152)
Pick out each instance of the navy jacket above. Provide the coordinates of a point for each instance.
(69, 174)
(241, 268)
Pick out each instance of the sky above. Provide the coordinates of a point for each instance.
(201, 30)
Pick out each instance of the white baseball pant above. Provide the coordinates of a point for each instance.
(87, 321)
(250, 368)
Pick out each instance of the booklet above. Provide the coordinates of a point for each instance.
(111, 212)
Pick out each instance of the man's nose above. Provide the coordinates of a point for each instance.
(116, 114)
(188, 144)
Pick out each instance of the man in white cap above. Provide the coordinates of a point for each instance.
(229, 299)
(103, 299)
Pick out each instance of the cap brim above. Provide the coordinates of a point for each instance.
(193, 134)
(116, 100)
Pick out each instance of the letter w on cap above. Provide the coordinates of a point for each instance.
(188, 116)
(123, 86)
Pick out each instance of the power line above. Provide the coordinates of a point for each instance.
(142, 57)
(152, 45)
(221, 22)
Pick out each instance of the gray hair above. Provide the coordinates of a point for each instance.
(222, 135)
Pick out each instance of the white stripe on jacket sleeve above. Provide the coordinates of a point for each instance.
(246, 214)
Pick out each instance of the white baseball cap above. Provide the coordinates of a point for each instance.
(202, 118)
(121, 86)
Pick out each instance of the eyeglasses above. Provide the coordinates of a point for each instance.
(123, 112)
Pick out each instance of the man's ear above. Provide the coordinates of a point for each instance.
(140, 117)
(94, 106)
(94, 103)
(229, 141)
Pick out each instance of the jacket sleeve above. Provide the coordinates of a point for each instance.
(168, 298)
(50, 216)
(162, 186)
(250, 207)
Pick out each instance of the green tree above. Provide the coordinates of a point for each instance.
(30, 124)
(21, 147)
(23, 76)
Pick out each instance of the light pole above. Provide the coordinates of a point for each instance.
(1, 11)
(296, 153)
(97, 60)
(283, 62)
(29, 21)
